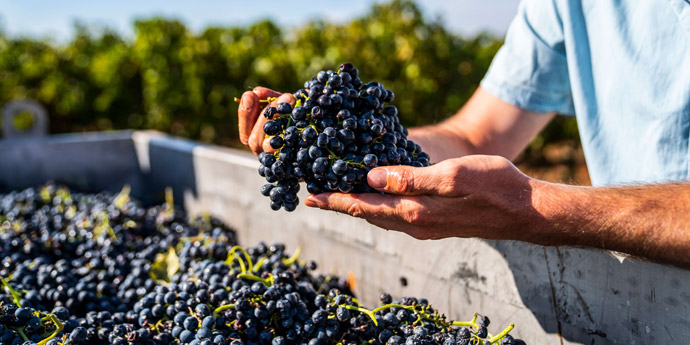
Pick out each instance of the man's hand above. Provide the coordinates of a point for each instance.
(472, 196)
(250, 116)
(487, 197)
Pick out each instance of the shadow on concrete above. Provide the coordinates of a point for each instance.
(593, 297)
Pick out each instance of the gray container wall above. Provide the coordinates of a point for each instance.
(590, 297)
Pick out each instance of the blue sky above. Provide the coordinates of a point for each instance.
(55, 19)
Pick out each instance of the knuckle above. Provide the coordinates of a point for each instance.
(419, 218)
(452, 181)
(414, 214)
(356, 210)
(403, 181)
(450, 184)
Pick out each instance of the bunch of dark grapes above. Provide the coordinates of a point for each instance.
(338, 130)
(88, 269)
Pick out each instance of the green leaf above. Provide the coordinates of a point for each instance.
(123, 197)
(15, 295)
(165, 266)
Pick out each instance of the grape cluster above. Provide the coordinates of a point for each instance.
(88, 269)
(338, 130)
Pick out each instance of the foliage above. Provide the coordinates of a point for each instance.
(174, 80)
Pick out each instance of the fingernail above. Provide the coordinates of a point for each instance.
(247, 102)
(284, 98)
(310, 201)
(377, 178)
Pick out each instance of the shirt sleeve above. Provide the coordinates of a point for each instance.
(530, 70)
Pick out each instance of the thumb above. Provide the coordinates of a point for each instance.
(405, 180)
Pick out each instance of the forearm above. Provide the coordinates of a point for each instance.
(441, 143)
(645, 221)
(485, 125)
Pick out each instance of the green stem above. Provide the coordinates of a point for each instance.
(258, 265)
(362, 310)
(388, 306)
(58, 328)
(20, 330)
(13, 293)
(465, 324)
(291, 260)
(421, 314)
(231, 258)
(332, 153)
(222, 308)
(500, 336)
(254, 278)
(358, 165)
(246, 256)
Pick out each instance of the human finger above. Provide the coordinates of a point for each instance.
(265, 93)
(407, 180)
(372, 206)
(247, 113)
(257, 136)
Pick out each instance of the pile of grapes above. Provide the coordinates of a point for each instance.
(101, 269)
(338, 130)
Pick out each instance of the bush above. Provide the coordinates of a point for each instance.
(171, 79)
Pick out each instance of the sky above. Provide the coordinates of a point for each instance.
(53, 19)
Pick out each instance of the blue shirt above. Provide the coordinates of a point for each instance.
(622, 67)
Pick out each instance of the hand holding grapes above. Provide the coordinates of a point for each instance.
(250, 123)
(472, 196)
(328, 135)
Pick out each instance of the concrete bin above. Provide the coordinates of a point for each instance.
(553, 295)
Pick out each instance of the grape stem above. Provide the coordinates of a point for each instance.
(232, 256)
(58, 328)
(246, 256)
(291, 260)
(222, 308)
(20, 330)
(13, 292)
(258, 265)
(362, 310)
(422, 314)
(254, 278)
(335, 157)
(503, 333)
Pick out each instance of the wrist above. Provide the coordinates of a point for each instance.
(553, 205)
